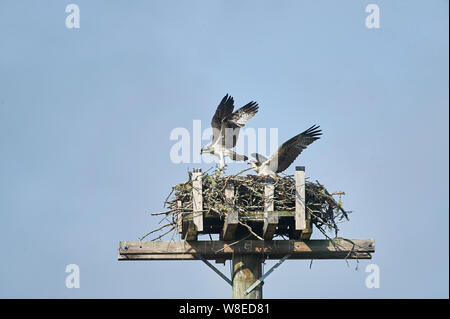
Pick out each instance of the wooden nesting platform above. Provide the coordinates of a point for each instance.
(238, 244)
(293, 224)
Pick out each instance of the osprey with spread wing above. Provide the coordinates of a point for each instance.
(226, 125)
(286, 154)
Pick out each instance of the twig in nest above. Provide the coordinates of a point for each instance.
(166, 212)
(251, 230)
(154, 231)
(164, 234)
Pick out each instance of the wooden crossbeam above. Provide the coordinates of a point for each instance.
(276, 249)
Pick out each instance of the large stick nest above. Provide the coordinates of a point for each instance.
(326, 212)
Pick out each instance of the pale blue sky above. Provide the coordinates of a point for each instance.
(85, 118)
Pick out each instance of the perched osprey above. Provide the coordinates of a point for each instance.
(226, 124)
(286, 154)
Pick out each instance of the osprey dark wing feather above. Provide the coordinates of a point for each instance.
(236, 120)
(245, 113)
(224, 110)
(292, 148)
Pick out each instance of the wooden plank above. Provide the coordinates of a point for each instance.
(303, 229)
(123, 257)
(247, 246)
(197, 202)
(336, 256)
(269, 189)
(276, 249)
(270, 216)
(231, 219)
(300, 216)
(281, 213)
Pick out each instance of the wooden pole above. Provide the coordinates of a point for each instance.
(246, 270)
